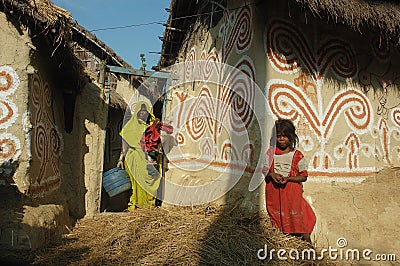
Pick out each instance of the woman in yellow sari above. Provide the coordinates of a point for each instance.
(144, 186)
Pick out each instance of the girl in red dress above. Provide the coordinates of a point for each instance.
(286, 169)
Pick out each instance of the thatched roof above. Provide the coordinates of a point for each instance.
(59, 27)
(43, 11)
(116, 101)
(379, 16)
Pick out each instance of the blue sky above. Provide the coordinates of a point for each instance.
(127, 42)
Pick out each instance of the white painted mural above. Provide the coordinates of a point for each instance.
(209, 119)
(304, 101)
(10, 145)
(345, 130)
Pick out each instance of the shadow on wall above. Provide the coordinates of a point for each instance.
(25, 224)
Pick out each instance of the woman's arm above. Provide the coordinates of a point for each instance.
(298, 179)
(120, 162)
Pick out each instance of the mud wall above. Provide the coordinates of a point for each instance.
(14, 125)
(339, 87)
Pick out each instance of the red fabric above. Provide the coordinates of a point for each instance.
(288, 210)
(151, 138)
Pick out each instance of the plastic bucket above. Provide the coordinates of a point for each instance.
(115, 181)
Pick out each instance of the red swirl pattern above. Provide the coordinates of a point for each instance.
(241, 34)
(190, 66)
(10, 145)
(47, 140)
(209, 64)
(396, 117)
(288, 51)
(238, 93)
(229, 99)
(229, 152)
(381, 50)
(201, 114)
(287, 101)
(180, 139)
(8, 79)
(8, 149)
(6, 116)
(41, 150)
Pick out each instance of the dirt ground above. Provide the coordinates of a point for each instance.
(204, 235)
(365, 214)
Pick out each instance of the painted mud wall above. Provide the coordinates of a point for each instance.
(67, 158)
(28, 163)
(53, 121)
(14, 143)
(338, 86)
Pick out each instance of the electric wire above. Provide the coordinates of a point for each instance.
(172, 19)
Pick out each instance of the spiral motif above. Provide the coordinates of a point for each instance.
(396, 117)
(8, 149)
(55, 142)
(47, 95)
(190, 65)
(180, 139)
(356, 107)
(238, 96)
(341, 242)
(41, 142)
(6, 81)
(288, 51)
(241, 34)
(7, 116)
(47, 141)
(339, 56)
(244, 30)
(9, 81)
(200, 116)
(36, 91)
(229, 152)
(381, 51)
(288, 102)
(210, 66)
(284, 46)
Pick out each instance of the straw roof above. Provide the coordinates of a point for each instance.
(116, 100)
(40, 10)
(57, 25)
(380, 16)
(59, 30)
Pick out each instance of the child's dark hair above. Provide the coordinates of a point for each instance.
(287, 127)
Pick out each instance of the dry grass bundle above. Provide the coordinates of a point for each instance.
(380, 14)
(206, 235)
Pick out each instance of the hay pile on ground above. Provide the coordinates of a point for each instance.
(206, 235)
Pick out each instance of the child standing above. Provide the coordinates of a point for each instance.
(285, 170)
